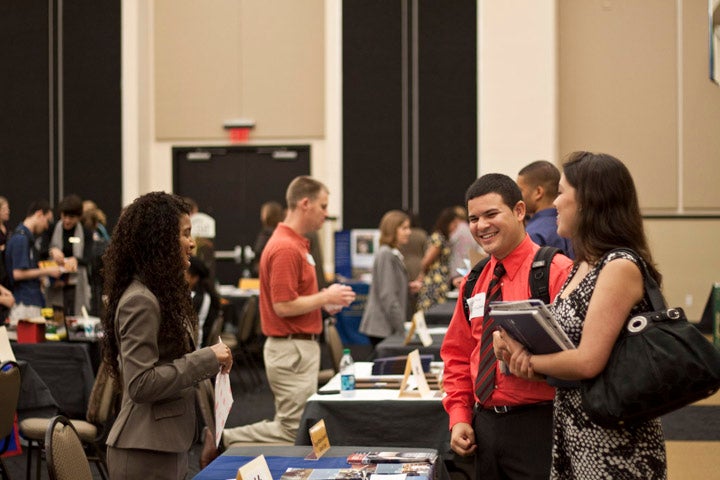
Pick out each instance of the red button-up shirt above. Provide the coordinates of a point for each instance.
(461, 347)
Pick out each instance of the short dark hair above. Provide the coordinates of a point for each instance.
(71, 205)
(542, 173)
(38, 205)
(495, 183)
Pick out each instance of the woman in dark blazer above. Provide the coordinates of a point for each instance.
(386, 310)
(149, 340)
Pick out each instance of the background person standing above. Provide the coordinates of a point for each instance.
(290, 306)
(387, 306)
(538, 182)
(149, 341)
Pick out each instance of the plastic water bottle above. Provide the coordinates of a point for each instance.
(347, 374)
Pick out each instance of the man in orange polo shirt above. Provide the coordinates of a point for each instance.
(290, 306)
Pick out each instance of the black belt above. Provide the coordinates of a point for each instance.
(298, 336)
(503, 409)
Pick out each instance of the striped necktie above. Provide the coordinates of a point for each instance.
(486, 370)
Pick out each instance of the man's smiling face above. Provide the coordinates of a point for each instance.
(497, 228)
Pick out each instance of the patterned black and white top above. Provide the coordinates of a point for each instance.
(582, 449)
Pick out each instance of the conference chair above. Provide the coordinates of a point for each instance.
(216, 330)
(247, 346)
(64, 451)
(102, 407)
(9, 394)
(335, 346)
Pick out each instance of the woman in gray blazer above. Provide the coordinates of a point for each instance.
(386, 310)
(149, 342)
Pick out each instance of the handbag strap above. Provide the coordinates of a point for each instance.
(652, 290)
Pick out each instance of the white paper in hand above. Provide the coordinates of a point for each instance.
(223, 402)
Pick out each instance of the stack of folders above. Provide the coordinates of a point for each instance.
(532, 324)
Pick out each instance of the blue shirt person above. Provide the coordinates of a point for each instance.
(538, 182)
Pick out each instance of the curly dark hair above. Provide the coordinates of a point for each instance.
(146, 244)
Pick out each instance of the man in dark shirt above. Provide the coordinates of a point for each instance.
(70, 247)
(538, 182)
(22, 265)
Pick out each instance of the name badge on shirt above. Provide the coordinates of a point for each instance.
(476, 305)
(74, 239)
(310, 259)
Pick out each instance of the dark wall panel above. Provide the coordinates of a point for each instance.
(373, 107)
(92, 117)
(372, 168)
(88, 43)
(448, 104)
(24, 117)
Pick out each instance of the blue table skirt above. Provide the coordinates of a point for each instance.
(226, 466)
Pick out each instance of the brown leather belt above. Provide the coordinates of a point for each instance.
(298, 336)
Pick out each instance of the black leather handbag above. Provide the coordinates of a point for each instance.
(660, 362)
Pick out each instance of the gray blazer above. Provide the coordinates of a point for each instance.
(158, 407)
(386, 309)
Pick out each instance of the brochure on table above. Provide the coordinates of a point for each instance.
(419, 326)
(319, 439)
(255, 469)
(414, 367)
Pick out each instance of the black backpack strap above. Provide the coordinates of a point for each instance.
(540, 273)
(470, 284)
(539, 277)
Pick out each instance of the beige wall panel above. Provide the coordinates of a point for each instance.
(197, 67)
(617, 88)
(687, 255)
(283, 77)
(701, 113)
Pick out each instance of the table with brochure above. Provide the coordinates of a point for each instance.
(280, 458)
(376, 416)
(395, 344)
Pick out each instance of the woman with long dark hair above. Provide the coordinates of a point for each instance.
(149, 344)
(598, 210)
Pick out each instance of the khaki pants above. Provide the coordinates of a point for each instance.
(292, 369)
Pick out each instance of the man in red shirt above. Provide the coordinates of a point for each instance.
(290, 306)
(506, 421)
